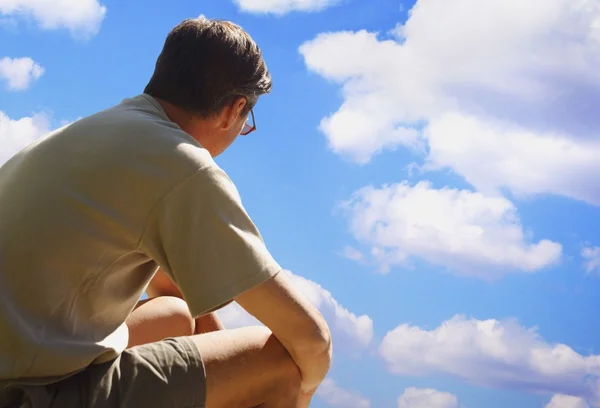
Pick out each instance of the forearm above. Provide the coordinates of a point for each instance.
(296, 323)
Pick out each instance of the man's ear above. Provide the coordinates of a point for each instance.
(232, 112)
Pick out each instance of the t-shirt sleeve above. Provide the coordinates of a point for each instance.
(201, 235)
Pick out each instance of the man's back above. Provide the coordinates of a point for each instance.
(87, 214)
(73, 208)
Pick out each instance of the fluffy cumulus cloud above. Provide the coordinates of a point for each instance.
(426, 398)
(492, 353)
(566, 401)
(491, 154)
(349, 331)
(332, 394)
(592, 259)
(19, 73)
(506, 99)
(281, 7)
(15, 134)
(472, 233)
(81, 17)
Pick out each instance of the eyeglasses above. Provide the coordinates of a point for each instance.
(248, 127)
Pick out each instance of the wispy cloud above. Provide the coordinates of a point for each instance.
(352, 253)
(592, 259)
(336, 396)
(280, 7)
(426, 398)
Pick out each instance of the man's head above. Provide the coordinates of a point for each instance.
(208, 77)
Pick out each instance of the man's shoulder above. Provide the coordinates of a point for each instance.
(140, 116)
(139, 129)
(130, 144)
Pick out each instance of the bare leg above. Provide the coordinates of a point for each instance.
(246, 368)
(163, 286)
(208, 323)
(166, 316)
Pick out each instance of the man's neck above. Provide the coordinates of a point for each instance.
(196, 127)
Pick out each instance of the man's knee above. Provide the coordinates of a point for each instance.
(180, 319)
(287, 387)
(157, 318)
(252, 362)
(208, 323)
(288, 379)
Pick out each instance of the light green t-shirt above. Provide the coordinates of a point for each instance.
(88, 213)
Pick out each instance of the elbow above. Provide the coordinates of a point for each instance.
(321, 343)
(327, 349)
(326, 340)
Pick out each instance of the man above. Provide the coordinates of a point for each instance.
(89, 214)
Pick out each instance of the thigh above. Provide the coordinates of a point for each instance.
(247, 367)
(239, 368)
(168, 373)
(163, 317)
(159, 318)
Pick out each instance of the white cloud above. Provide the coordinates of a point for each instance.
(426, 398)
(509, 91)
(566, 401)
(491, 155)
(19, 73)
(19, 133)
(81, 17)
(352, 254)
(592, 259)
(471, 233)
(233, 317)
(492, 353)
(348, 330)
(280, 7)
(336, 396)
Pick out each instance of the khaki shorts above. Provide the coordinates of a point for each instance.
(169, 373)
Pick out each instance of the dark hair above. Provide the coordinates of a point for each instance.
(206, 64)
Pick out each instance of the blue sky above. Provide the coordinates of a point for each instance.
(426, 171)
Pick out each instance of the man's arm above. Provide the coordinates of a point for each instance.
(293, 321)
(204, 239)
(296, 323)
